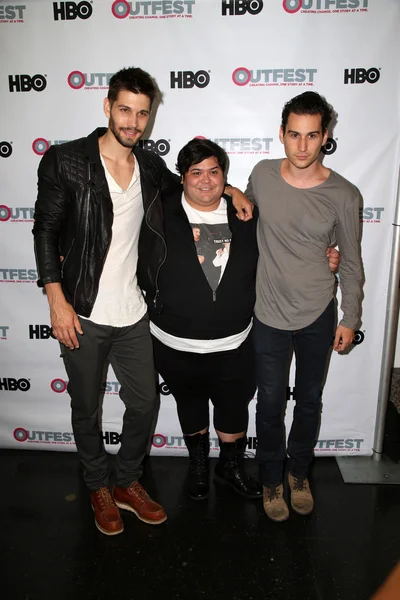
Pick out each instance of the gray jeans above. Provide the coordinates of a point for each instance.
(130, 352)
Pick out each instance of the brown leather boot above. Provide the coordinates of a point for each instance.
(300, 495)
(136, 499)
(274, 503)
(106, 514)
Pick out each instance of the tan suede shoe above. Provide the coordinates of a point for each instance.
(300, 495)
(274, 503)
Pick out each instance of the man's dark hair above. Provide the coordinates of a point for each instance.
(198, 150)
(133, 80)
(309, 103)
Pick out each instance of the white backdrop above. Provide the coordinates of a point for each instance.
(225, 69)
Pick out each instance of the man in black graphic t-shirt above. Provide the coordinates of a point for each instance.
(201, 314)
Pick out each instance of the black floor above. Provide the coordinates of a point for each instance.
(221, 548)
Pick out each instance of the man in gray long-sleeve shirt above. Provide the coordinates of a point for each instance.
(303, 208)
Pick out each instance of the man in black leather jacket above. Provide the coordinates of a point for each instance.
(93, 194)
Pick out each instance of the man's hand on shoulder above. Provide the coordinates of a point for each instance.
(343, 338)
(334, 259)
(242, 204)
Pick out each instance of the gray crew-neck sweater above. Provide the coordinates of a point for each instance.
(295, 227)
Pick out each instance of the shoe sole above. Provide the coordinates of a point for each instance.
(302, 513)
(127, 507)
(107, 532)
(222, 481)
(104, 530)
(276, 520)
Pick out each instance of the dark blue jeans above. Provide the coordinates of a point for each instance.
(273, 349)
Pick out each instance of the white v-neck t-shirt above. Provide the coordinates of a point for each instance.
(119, 301)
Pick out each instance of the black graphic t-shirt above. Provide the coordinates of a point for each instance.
(212, 238)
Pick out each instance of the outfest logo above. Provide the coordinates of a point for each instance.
(371, 214)
(41, 145)
(153, 9)
(177, 442)
(3, 332)
(60, 385)
(274, 77)
(21, 214)
(325, 6)
(244, 145)
(339, 445)
(12, 13)
(43, 437)
(89, 81)
(18, 275)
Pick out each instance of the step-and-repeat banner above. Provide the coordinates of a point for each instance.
(225, 68)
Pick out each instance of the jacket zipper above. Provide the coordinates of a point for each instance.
(85, 238)
(165, 246)
(66, 257)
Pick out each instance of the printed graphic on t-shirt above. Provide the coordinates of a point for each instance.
(212, 245)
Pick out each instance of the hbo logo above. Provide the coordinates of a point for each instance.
(241, 7)
(25, 83)
(330, 146)
(160, 147)
(69, 11)
(5, 149)
(361, 75)
(11, 385)
(188, 79)
(163, 389)
(358, 338)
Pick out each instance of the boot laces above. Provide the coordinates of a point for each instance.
(299, 484)
(139, 491)
(105, 497)
(201, 461)
(273, 493)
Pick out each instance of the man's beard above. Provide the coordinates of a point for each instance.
(125, 142)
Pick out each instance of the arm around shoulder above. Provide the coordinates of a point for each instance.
(170, 182)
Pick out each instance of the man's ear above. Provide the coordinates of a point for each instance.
(325, 138)
(107, 107)
(281, 134)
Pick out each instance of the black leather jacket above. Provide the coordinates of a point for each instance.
(74, 216)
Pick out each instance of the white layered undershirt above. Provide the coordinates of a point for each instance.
(119, 300)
